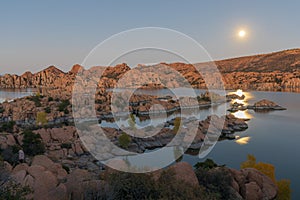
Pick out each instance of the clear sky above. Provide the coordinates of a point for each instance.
(37, 34)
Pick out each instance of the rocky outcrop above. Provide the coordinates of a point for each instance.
(253, 185)
(279, 71)
(49, 180)
(265, 105)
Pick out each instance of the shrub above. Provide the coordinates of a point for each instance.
(66, 111)
(66, 145)
(50, 99)
(124, 140)
(8, 126)
(1, 109)
(207, 164)
(32, 143)
(132, 186)
(144, 186)
(63, 105)
(217, 181)
(48, 110)
(41, 118)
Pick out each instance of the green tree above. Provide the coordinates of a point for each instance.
(124, 140)
(63, 105)
(131, 121)
(177, 122)
(41, 118)
(32, 143)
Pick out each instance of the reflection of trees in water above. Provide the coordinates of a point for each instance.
(284, 190)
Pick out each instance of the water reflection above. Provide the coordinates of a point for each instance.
(243, 114)
(243, 140)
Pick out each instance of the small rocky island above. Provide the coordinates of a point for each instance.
(265, 105)
(262, 105)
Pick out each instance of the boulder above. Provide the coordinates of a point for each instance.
(62, 135)
(36, 170)
(10, 140)
(184, 172)
(28, 181)
(267, 186)
(44, 182)
(42, 160)
(253, 191)
(19, 167)
(19, 176)
(59, 193)
(45, 135)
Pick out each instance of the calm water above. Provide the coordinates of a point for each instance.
(10, 94)
(272, 137)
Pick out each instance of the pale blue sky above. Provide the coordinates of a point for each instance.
(36, 34)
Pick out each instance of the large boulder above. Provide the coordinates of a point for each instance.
(253, 191)
(62, 135)
(19, 167)
(267, 186)
(42, 160)
(185, 172)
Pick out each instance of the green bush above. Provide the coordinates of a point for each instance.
(132, 186)
(63, 105)
(50, 99)
(1, 109)
(48, 110)
(32, 143)
(124, 140)
(66, 145)
(144, 186)
(7, 126)
(207, 164)
(217, 181)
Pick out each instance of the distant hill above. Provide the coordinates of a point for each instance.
(284, 61)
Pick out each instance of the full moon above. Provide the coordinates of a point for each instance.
(242, 33)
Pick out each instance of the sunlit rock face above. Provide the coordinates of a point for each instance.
(278, 71)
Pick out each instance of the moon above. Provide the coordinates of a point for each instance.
(242, 33)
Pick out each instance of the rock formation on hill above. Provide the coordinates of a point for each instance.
(278, 71)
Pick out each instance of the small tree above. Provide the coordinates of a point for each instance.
(132, 122)
(41, 118)
(124, 140)
(177, 122)
(32, 143)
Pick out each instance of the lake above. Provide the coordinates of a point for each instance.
(10, 94)
(272, 137)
